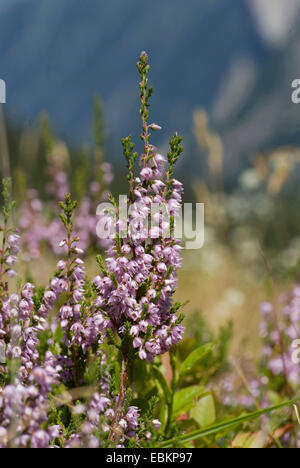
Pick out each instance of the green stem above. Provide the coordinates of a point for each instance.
(173, 389)
(121, 402)
(225, 426)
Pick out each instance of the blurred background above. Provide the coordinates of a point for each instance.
(222, 73)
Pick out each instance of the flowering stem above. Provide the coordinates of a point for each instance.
(8, 205)
(121, 401)
(146, 92)
(281, 345)
(2, 260)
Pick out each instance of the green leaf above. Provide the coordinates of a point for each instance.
(163, 383)
(114, 279)
(58, 335)
(248, 440)
(184, 399)
(204, 412)
(273, 397)
(117, 374)
(194, 358)
(225, 425)
(101, 264)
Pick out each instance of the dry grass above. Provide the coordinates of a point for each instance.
(225, 290)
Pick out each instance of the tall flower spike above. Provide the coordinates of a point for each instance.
(10, 239)
(73, 271)
(139, 277)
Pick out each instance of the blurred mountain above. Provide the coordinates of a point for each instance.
(56, 55)
(267, 118)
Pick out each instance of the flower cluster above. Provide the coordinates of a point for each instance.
(140, 274)
(279, 328)
(277, 374)
(29, 375)
(39, 230)
(24, 409)
(10, 241)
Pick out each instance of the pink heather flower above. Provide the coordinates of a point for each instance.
(151, 294)
(123, 424)
(78, 261)
(147, 258)
(11, 273)
(134, 330)
(162, 268)
(40, 439)
(3, 436)
(137, 343)
(54, 431)
(142, 354)
(157, 186)
(13, 240)
(157, 424)
(109, 413)
(154, 127)
(266, 308)
(11, 260)
(132, 417)
(126, 249)
(95, 187)
(79, 409)
(146, 173)
(87, 428)
(154, 232)
(61, 265)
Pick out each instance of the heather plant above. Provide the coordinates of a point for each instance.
(272, 380)
(101, 361)
(280, 364)
(53, 335)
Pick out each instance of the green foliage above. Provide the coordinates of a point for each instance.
(8, 203)
(175, 151)
(130, 156)
(146, 92)
(47, 137)
(37, 298)
(101, 264)
(184, 399)
(68, 206)
(194, 358)
(81, 175)
(204, 412)
(221, 428)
